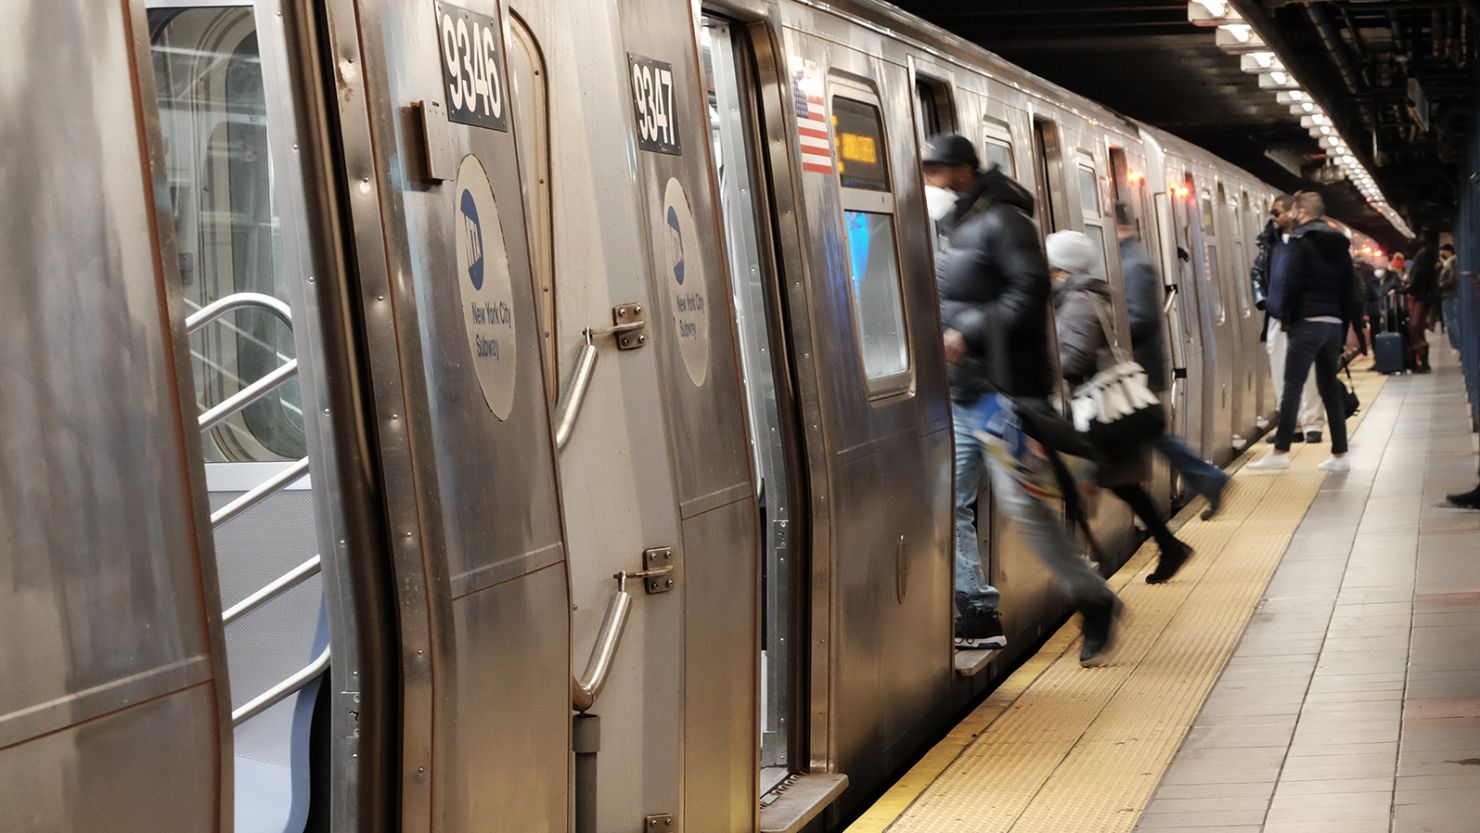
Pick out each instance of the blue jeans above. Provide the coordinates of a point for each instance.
(972, 589)
(1205, 478)
(1318, 343)
(1040, 523)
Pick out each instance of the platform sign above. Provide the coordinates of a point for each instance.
(653, 105)
(472, 67)
(484, 286)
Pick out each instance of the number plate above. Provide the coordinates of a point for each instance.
(653, 105)
(472, 68)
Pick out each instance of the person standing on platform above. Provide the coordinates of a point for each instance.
(1449, 293)
(1081, 305)
(1316, 306)
(1310, 419)
(1364, 288)
(1423, 291)
(994, 293)
(1143, 302)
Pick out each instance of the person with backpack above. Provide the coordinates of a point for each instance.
(1082, 311)
(994, 295)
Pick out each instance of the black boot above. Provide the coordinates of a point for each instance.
(1099, 629)
(1466, 500)
(1169, 563)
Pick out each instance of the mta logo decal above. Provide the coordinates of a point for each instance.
(474, 233)
(675, 236)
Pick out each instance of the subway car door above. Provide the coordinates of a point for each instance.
(1191, 305)
(699, 368)
(453, 343)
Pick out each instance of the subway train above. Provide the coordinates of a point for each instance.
(516, 415)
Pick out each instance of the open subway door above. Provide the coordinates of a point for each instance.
(453, 342)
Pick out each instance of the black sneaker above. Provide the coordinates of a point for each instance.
(1297, 437)
(1466, 500)
(980, 630)
(1313, 436)
(1100, 627)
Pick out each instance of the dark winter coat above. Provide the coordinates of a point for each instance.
(1448, 280)
(1319, 275)
(1259, 272)
(1423, 276)
(1279, 279)
(994, 289)
(1083, 352)
(1143, 300)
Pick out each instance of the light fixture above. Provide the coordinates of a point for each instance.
(1261, 61)
(1292, 96)
(1277, 80)
(1237, 38)
(1211, 13)
(1315, 120)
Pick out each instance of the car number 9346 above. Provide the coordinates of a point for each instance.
(472, 71)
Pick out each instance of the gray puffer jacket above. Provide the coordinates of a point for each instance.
(1084, 351)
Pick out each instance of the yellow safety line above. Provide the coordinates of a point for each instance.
(1059, 748)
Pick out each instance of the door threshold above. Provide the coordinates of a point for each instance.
(973, 662)
(799, 799)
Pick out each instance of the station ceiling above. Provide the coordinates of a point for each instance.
(1143, 58)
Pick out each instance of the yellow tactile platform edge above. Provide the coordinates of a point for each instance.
(1059, 749)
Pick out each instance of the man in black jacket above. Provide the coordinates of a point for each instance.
(994, 296)
(1271, 236)
(1317, 306)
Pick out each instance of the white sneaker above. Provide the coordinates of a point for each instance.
(1337, 464)
(1270, 462)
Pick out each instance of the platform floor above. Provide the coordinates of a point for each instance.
(1315, 667)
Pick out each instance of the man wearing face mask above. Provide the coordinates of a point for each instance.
(994, 297)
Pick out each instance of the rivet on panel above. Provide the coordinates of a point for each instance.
(326, 412)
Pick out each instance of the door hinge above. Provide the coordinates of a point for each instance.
(659, 822)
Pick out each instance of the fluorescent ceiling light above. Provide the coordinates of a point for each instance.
(1238, 37)
(1262, 61)
(1277, 80)
(1292, 96)
(1211, 13)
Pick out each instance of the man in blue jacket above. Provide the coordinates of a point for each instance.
(1316, 307)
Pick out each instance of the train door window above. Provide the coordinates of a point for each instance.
(529, 97)
(234, 198)
(997, 148)
(1089, 208)
(873, 263)
(759, 330)
(1210, 256)
(1240, 253)
(1049, 173)
(937, 112)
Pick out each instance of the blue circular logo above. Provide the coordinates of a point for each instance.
(474, 233)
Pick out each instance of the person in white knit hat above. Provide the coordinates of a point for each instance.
(1081, 302)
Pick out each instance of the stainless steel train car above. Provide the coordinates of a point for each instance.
(515, 415)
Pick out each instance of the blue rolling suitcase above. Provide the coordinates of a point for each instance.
(1387, 352)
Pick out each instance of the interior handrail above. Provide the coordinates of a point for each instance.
(282, 690)
(249, 394)
(235, 301)
(266, 488)
(282, 584)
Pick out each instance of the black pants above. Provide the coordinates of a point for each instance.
(1318, 343)
(1136, 498)
(1359, 329)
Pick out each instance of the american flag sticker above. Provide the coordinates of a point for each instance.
(812, 135)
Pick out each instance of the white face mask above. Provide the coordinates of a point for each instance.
(939, 201)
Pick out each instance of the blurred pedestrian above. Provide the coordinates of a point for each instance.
(1449, 293)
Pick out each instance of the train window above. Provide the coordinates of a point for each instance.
(937, 114)
(860, 137)
(1210, 258)
(997, 148)
(1048, 157)
(529, 97)
(213, 118)
(1089, 192)
(873, 264)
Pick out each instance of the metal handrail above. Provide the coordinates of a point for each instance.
(238, 300)
(249, 394)
(282, 690)
(585, 690)
(569, 410)
(262, 490)
(282, 584)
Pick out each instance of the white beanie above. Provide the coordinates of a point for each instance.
(1071, 251)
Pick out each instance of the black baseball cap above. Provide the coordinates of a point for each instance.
(950, 149)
